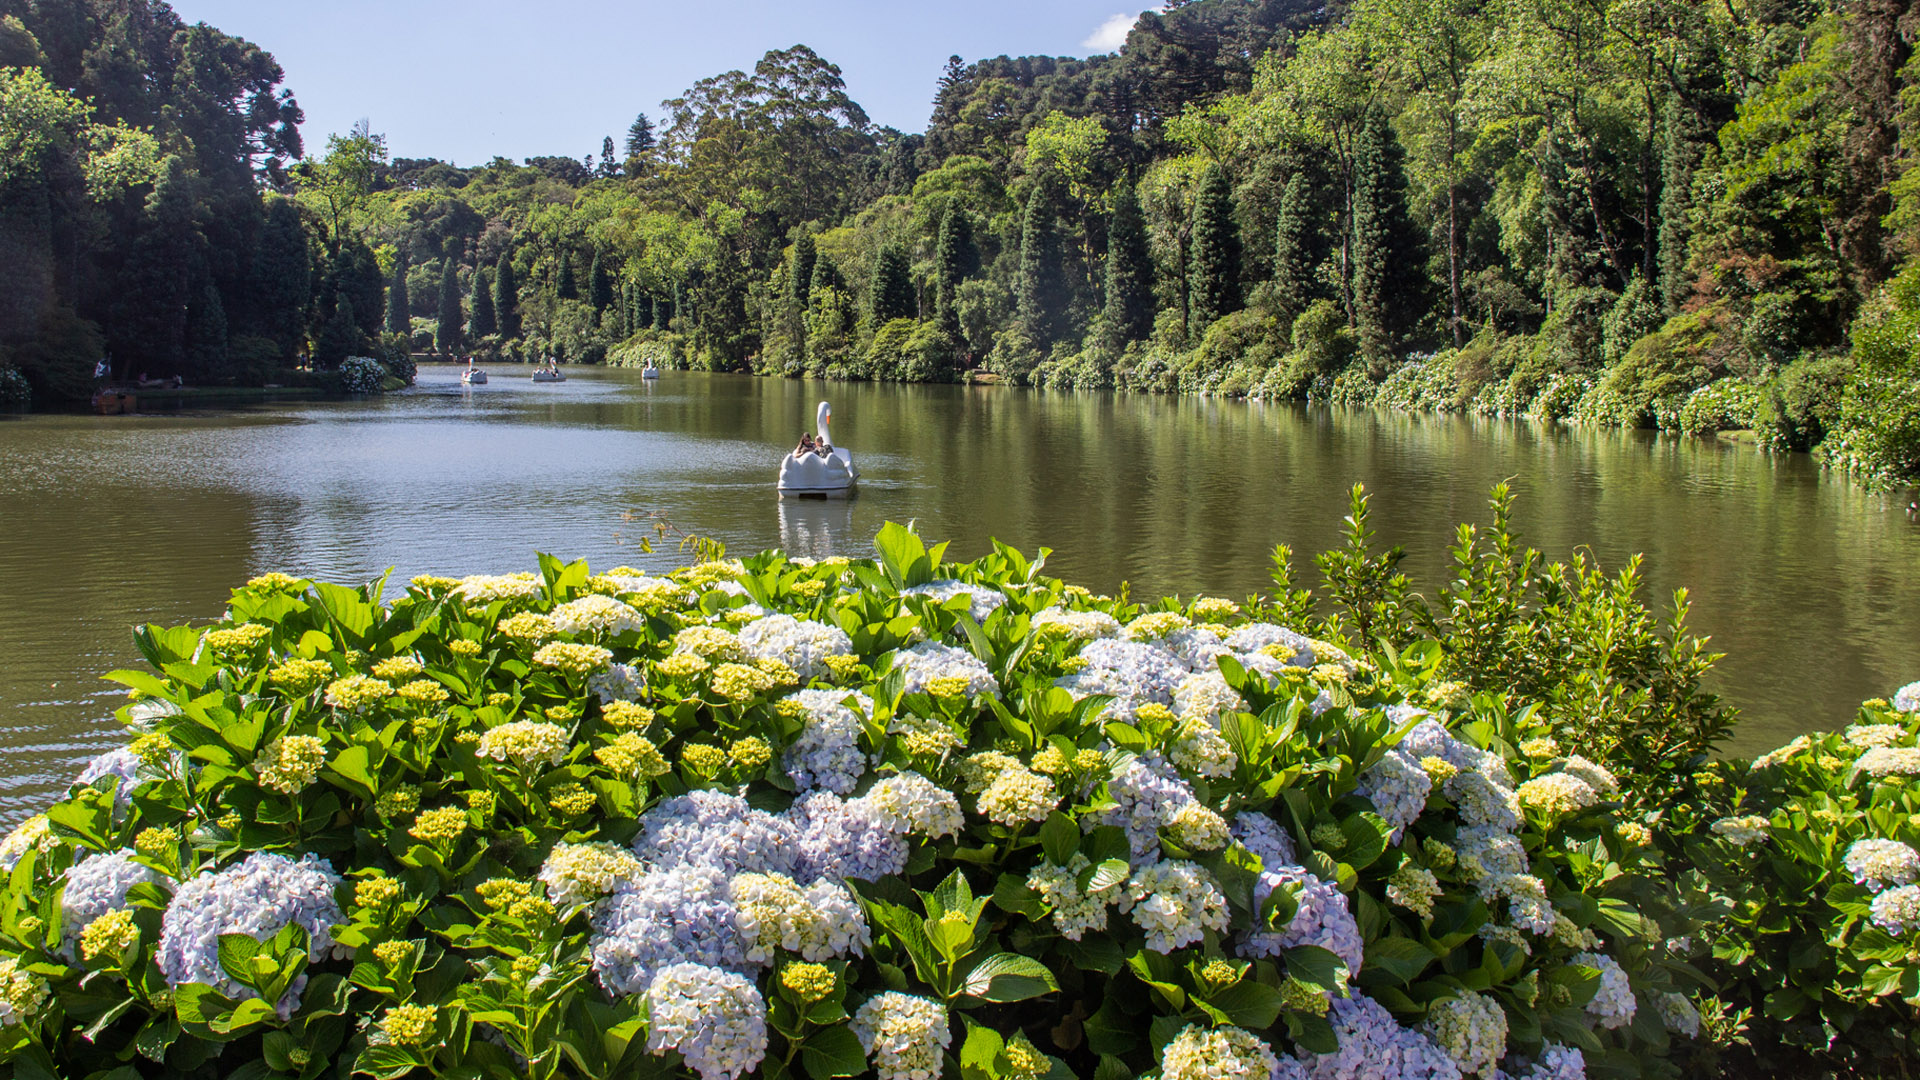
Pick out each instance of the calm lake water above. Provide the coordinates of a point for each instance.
(1811, 585)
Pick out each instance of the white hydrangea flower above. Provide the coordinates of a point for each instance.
(1197, 827)
(819, 921)
(33, 834)
(259, 897)
(910, 803)
(827, 754)
(1227, 1053)
(619, 682)
(1742, 831)
(1018, 795)
(801, 644)
(1076, 910)
(584, 873)
(1077, 625)
(712, 644)
(1782, 755)
(1205, 695)
(981, 601)
(1557, 793)
(1472, 1029)
(1414, 888)
(930, 660)
(1678, 1014)
(596, 615)
(486, 588)
(1613, 1004)
(1890, 761)
(716, 1019)
(524, 742)
(903, 1035)
(1200, 749)
(1259, 637)
(1597, 776)
(1175, 902)
(1882, 864)
(1483, 800)
(1897, 910)
(1867, 736)
(1907, 698)
(1487, 855)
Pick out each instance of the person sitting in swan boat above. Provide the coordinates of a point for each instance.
(806, 445)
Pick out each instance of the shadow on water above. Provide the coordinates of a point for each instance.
(1811, 584)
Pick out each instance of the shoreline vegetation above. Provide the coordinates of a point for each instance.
(1643, 213)
(908, 817)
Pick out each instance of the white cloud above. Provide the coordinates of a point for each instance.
(1111, 35)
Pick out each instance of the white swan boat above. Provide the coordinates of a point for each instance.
(649, 372)
(819, 476)
(548, 375)
(473, 376)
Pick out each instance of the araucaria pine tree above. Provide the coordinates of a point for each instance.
(448, 336)
(956, 258)
(1676, 193)
(399, 320)
(1041, 290)
(1297, 251)
(1128, 314)
(563, 286)
(800, 272)
(506, 298)
(890, 292)
(1388, 287)
(1213, 281)
(484, 322)
(599, 285)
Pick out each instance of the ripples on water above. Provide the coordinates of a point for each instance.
(1811, 584)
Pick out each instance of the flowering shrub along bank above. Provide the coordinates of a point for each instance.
(896, 817)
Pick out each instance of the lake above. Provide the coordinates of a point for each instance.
(1810, 583)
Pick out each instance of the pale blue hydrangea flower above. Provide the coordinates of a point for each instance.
(981, 601)
(716, 1019)
(840, 840)
(1556, 1062)
(1397, 787)
(682, 914)
(713, 828)
(827, 752)
(1253, 637)
(1264, 837)
(96, 886)
(619, 682)
(930, 660)
(801, 644)
(1907, 698)
(1374, 1046)
(1613, 1004)
(1322, 918)
(1146, 795)
(1132, 673)
(122, 763)
(260, 896)
(1199, 649)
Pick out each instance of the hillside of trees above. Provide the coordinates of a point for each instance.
(1625, 212)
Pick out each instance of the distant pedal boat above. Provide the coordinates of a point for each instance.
(649, 372)
(473, 377)
(548, 376)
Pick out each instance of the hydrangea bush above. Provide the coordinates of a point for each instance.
(899, 817)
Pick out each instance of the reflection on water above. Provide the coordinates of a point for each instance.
(1812, 585)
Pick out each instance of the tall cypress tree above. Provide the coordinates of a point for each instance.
(485, 322)
(339, 336)
(448, 336)
(890, 291)
(366, 286)
(1388, 287)
(563, 286)
(1041, 291)
(800, 272)
(662, 313)
(283, 276)
(1213, 284)
(506, 298)
(1296, 249)
(399, 319)
(1676, 195)
(956, 258)
(1129, 303)
(642, 317)
(599, 285)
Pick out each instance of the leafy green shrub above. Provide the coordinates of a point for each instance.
(1813, 851)
(14, 391)
(1559, 396)
(1725, 405)
(1806, 402)
(1878, 433)
(58, 361)
(1681, 356)
(567, 824)
(362, 375)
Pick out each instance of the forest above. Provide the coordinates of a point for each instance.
(1651, 213)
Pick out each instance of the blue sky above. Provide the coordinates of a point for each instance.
(465, 81)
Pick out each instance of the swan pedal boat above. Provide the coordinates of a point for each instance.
(548, 376)
(473, 377)
(812, 476)
(649, 372)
